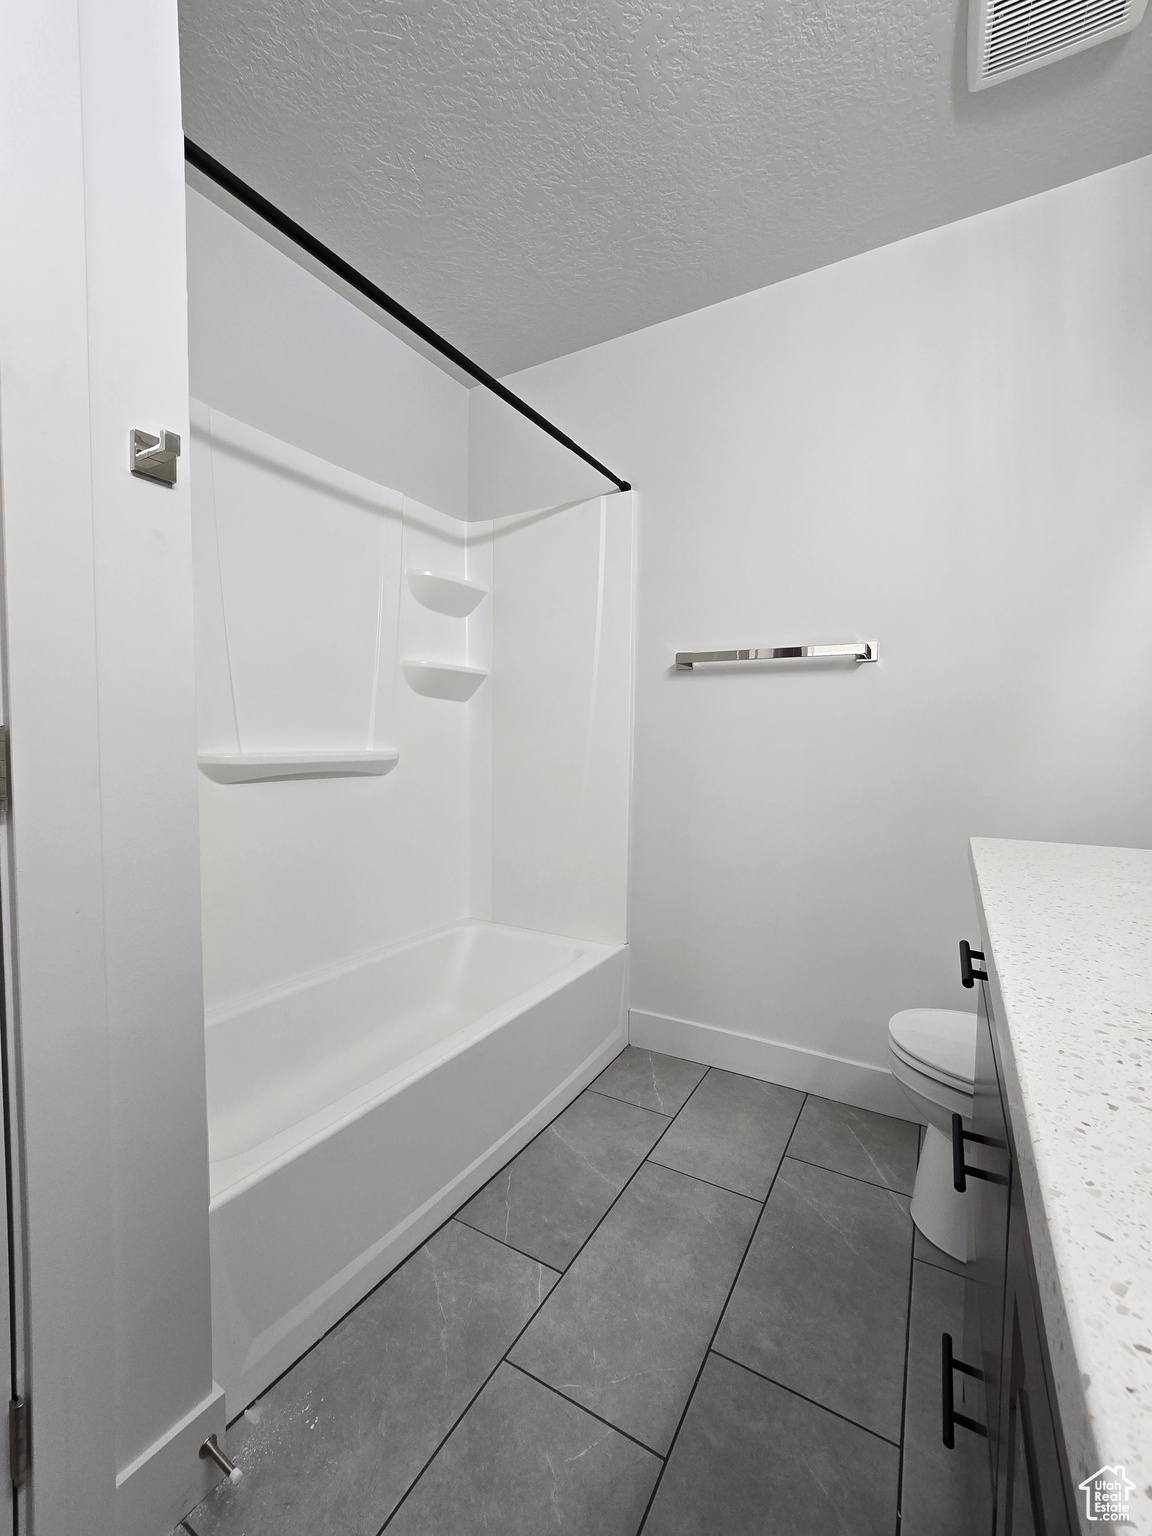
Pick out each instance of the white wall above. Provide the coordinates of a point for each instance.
(98, 653)
(514, 467)
(942, 444)
(272, 345)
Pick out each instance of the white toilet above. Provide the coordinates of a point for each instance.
(932, 1052)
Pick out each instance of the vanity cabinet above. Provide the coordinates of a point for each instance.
(1033, 1486)
(1024, 1487)
(988, 1160)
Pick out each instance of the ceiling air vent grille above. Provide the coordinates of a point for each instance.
(1010, 37)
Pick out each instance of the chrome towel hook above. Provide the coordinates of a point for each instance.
(154, 457)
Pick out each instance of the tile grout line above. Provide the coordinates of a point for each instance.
(504, 1357)
(872, 1184)
(720, 1319)
(904, 1392)
(647, 1158)
(674, 1117)
(804, 1398)
(452, 1427)
(544, 1129)
(504, 1243)
(632, 1104)
(632, 1175)
(608, 1210)
(670, 1119)
(711, 1183)
(583, 1407)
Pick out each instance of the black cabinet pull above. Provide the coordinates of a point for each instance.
(969, 977)
(962, 1171)
(959, 1184)
(951, 1418)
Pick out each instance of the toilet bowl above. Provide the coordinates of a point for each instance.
(932, 1053)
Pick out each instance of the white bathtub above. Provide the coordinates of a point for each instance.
(351, 1113)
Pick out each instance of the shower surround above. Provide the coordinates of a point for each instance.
(415, 742)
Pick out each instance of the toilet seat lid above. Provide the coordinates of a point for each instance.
(941, 1042)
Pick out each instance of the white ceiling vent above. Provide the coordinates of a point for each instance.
(1010, 37)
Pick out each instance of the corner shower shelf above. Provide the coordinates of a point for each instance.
(443, 680)
(250, 767)
(446, 594)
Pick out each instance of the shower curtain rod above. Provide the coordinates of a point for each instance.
(243, 193)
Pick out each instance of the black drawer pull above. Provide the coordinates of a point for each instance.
(948, 1364)
(969, 977)
(962, 1171)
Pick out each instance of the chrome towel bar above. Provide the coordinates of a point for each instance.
(857, 650)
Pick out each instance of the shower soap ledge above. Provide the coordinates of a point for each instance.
(443, 680)
(446, 594)
(251, 767)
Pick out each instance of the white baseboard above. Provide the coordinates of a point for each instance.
(832, 1077)
(168, 1480)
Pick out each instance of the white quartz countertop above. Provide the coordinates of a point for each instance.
(1070, 931)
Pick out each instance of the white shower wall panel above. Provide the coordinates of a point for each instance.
(562, 642)
(302, 614)
(305, 566)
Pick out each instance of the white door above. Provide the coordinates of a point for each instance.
(11, 1351)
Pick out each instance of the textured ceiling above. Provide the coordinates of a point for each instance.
(534, 177)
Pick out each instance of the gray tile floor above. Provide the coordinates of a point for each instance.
(691, 1306)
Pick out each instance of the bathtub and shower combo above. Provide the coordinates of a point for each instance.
(415, 751)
